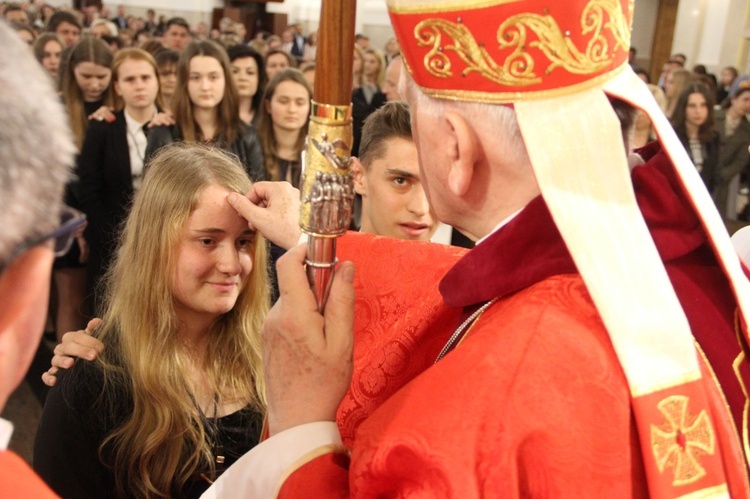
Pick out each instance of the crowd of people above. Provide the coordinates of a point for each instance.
(710, 116)
(186, 148)
(132, 85)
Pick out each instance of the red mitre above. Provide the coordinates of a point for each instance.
(504, 51)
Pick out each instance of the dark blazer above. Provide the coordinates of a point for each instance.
(106, 190)
(246, 147)
(361, 109)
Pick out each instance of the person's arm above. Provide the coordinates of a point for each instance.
(91, 183)
(731, 165)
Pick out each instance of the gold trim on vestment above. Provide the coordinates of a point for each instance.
(736, 367)
(429, 6)
(511, 97)
(708, 493)
(715, 378)
(680, 440)
(315, 453)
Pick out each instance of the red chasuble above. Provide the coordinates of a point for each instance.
(533, 402)
(18, 480)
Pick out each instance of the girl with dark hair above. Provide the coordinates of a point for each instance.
(282, 124)
(249, 73)
(48, 49)
(206, 108)
(693, 120)
(166, 61)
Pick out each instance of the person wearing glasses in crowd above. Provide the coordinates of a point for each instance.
(35, 160)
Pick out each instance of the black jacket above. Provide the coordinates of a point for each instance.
(246, 147)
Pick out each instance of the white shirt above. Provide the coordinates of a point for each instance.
(499, 226)
(137, 142)
(6, 431)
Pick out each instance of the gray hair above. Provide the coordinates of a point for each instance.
(36, 148)
(501, 119)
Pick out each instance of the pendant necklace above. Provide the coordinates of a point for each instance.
(464, 327)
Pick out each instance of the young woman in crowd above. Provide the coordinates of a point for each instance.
(733, 129)
(374, 68)
(166, 61)
(48, 50)
(84, 85)
(357, 67)
(643, 132)
(249, 74)
(693, 120)
(86, 94)
(26, 32)
(368, 97)
(282, 125)
(206, 108)
(177, 394)
(277, 61)
(111, 162)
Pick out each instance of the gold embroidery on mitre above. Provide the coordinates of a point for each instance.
(680, 441)
(518, 69)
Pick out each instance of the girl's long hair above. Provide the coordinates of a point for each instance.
(162, 443)
(87, 50)
(265, 122)
(134, 54)
(228, 112)
(706, 131)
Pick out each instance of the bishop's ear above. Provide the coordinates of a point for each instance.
(360, 181)
(463, 151)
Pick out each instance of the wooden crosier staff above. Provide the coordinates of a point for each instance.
(327, 189)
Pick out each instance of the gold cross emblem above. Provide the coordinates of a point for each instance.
(681, 440)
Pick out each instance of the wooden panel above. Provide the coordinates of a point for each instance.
(661, 49)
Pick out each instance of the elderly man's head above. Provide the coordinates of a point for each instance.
(34, 165)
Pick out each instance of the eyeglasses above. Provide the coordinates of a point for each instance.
(70, 221)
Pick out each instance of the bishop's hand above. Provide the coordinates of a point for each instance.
(273, 209)
(307, 357)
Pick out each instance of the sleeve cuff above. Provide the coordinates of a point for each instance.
(259, 472)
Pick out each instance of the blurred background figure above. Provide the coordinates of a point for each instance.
(693, 120)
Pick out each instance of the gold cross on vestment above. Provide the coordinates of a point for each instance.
(681, 440)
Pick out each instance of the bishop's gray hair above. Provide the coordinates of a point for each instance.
(501, 119)
(36, 148)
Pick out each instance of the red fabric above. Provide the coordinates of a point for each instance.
(18, 480)
(549, 46)
(327, 475)
(534, 401)
(400, 321)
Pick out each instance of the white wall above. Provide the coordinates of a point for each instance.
(644, 25)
